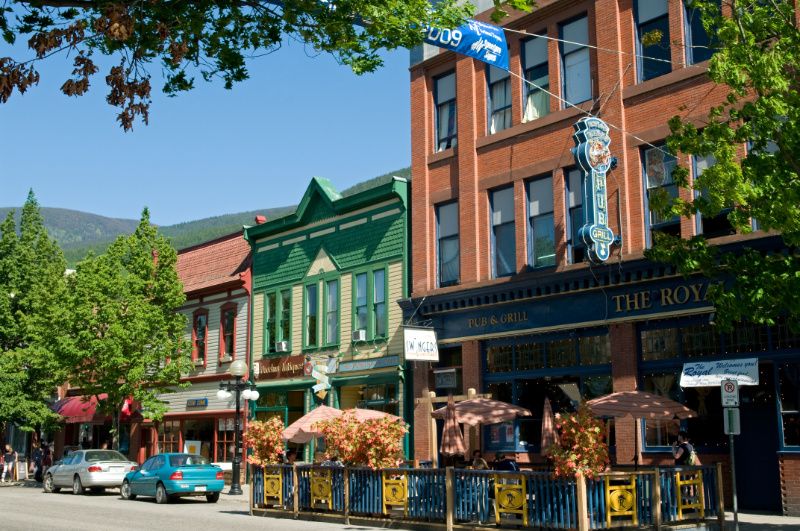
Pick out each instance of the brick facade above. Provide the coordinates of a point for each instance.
(637, 112)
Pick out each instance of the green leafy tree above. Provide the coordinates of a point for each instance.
(212, 38)
(32, 313)
(757, 59)
(127, 337)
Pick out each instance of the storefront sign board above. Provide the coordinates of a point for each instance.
(279, 368)
(712, 373)
(366, 365)
(420, 344)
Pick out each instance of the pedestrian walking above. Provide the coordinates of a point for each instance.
(38, 455)
(9, 462)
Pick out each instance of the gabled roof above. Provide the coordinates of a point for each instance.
(321, 201)
(216, 263)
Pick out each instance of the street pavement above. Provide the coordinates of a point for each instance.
(26, 507)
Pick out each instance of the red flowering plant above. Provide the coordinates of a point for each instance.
(264, 439)
(581, 448)
(376, 443)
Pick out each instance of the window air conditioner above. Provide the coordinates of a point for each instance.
(282, 346)
(359, 335)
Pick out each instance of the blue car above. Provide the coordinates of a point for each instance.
(169, 476)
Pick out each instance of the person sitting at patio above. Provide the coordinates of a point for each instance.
(501, 462)
(682, 449)
(291, 457)
(478, 462)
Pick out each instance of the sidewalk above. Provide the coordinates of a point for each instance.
(767, 522)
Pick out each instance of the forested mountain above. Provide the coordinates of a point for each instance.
(79, 233)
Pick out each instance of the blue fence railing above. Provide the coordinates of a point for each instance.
(548, 501)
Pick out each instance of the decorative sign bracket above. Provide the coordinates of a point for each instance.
(594, 159)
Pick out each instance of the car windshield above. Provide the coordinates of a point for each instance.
(187, 460)
(104, 455)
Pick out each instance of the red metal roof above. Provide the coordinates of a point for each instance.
(215, 263)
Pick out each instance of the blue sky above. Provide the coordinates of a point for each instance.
(210, 151)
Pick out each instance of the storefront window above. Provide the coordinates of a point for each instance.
(199, 433)
(500, 358)
(530, 356)
(661, 432)
(169, 432)
(379, 398)
(225, 440)
(746, 337)
(661, 344)
(699, 340)
(789, 379)
(561, 353)
(783, 337)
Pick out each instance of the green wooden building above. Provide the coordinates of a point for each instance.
(325, 324)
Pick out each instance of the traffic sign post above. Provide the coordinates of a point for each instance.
(730, 402)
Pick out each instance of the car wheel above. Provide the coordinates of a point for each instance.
(125, 491)
(77, 486)
(49, 485)
(213, 497)
(161, 494)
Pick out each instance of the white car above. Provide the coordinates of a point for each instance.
(92, 469)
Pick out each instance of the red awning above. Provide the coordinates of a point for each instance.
(76, 409)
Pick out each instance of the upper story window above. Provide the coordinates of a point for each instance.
(575, 64)
(710, 226)
(504, 252)
(537, 77)
(370, 304)
(444, 95)
(199, 335)
(332, 312)
(541, 229)
(499, 99)
(658, 167)
(576, 249)
(228, 331)
(652, 38)
(447, 243)
(312, 309)
(698, 43)
(277, 319)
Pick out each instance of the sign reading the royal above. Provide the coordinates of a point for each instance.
(420, 344)
(594, 158)
(712, 373)
(485, 42)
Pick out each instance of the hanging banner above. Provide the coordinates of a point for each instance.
(594, 159)
(712, 373)
(482, 41)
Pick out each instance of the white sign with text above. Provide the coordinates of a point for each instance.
(712, 373)
(420, 344)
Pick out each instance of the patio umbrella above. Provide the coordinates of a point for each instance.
(452, 437)
(549, 433)
(639, 405)
(302, 430)
(476, 411)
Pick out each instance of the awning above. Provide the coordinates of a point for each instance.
(80, 409)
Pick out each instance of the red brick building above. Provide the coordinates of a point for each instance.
(499, 271)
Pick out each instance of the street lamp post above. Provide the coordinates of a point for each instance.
(242, 390)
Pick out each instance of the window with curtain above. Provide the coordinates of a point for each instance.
(541, 228)
(312, 307)
(710, 226)
(228, 331)
(504, 253)
(699, 46)
(270, 333)
(448, 243)
(444, 94)
(169, 433)
(200, 333)
(652, 38)
(286, 315)
(575, 62)
(379, 302)
(225, 440)
(537, 100)
(332, 312)
(361, 302)
(499, 99)
(658, 167)
(576, 249)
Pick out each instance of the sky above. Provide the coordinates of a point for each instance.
(210, 151)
